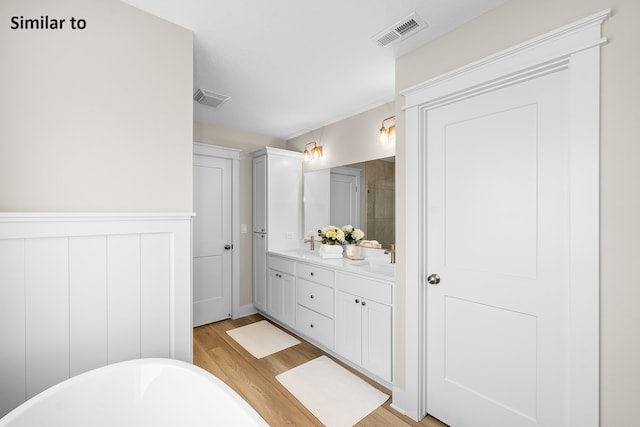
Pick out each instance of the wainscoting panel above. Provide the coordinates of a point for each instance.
(155, 295)
(79, 291)
(87, 303)
(46, 287)
(12, 325)
(123, 295)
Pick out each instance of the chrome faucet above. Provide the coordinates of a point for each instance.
(312, 242)
(391, 251)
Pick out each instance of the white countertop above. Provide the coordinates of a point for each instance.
(377, 267)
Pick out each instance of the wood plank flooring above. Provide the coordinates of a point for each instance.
(254, 379)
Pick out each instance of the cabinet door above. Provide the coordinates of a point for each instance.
(289, 300)
(281, 297)
(260, 271)
(376, 338)
(348, 318)
(260, 194)
(284, 201)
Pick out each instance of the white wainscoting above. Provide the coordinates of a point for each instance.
(80, 291)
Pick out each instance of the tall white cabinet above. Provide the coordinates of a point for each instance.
(277, 215)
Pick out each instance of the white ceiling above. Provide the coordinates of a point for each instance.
(291, 66)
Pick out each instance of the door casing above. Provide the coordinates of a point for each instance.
(576, 48)
(200, 149)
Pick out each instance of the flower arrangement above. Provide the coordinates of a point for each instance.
(331, 235)
(352, 235)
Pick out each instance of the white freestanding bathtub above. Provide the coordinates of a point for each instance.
(143, 392)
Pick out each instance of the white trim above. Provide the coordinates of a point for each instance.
(564, 41)
(92, 216)
(279, 151)
(343, 170)
(245, 310)
(575, 47)
(201, 149)
(235, 236)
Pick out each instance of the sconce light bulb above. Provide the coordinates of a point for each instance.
(383, 138)
(392, 134)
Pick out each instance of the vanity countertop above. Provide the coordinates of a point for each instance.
(376, 267)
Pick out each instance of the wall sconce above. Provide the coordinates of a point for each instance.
(388, 131)
(313, 153)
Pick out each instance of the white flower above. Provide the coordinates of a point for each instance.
(352, 235)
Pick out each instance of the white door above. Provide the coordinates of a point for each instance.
(497, 237)
(260, 194)
(260, 271)
(348, 320)
(211, 239)
(376, 338)
(345, 202)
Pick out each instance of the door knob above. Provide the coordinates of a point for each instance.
(228, 246)
(433, 279)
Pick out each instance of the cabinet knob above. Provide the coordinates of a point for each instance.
(311, 325)
(357, 301)
(364, 303)
(311, 296)
(312, 273)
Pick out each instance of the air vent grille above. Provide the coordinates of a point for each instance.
(407, 26)
(401, 30)
(211, 99)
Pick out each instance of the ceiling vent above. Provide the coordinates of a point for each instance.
(401, 30)
(212, 99)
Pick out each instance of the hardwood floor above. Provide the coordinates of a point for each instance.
(254, 379)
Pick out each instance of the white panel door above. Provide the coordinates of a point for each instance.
(345, 202)
(211, 239)
(260, 194)
(376, 338)
(260, 271)
(281, 300)
(497, 227)
(349, 326)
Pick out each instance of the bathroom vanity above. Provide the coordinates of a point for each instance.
(343, 306)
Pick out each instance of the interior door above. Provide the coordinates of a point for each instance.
(345, 202)
(497, 256)
(211, 239)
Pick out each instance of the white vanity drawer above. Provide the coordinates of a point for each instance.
(281, 264)
(364, 287)
(316, 274)
(314, 296)
(315, 326)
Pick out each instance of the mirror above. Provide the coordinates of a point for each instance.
(360, 194)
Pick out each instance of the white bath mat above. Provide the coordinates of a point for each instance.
(333, 394)
(262, 338)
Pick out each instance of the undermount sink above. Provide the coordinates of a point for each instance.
(301, 253)
(386, 269)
